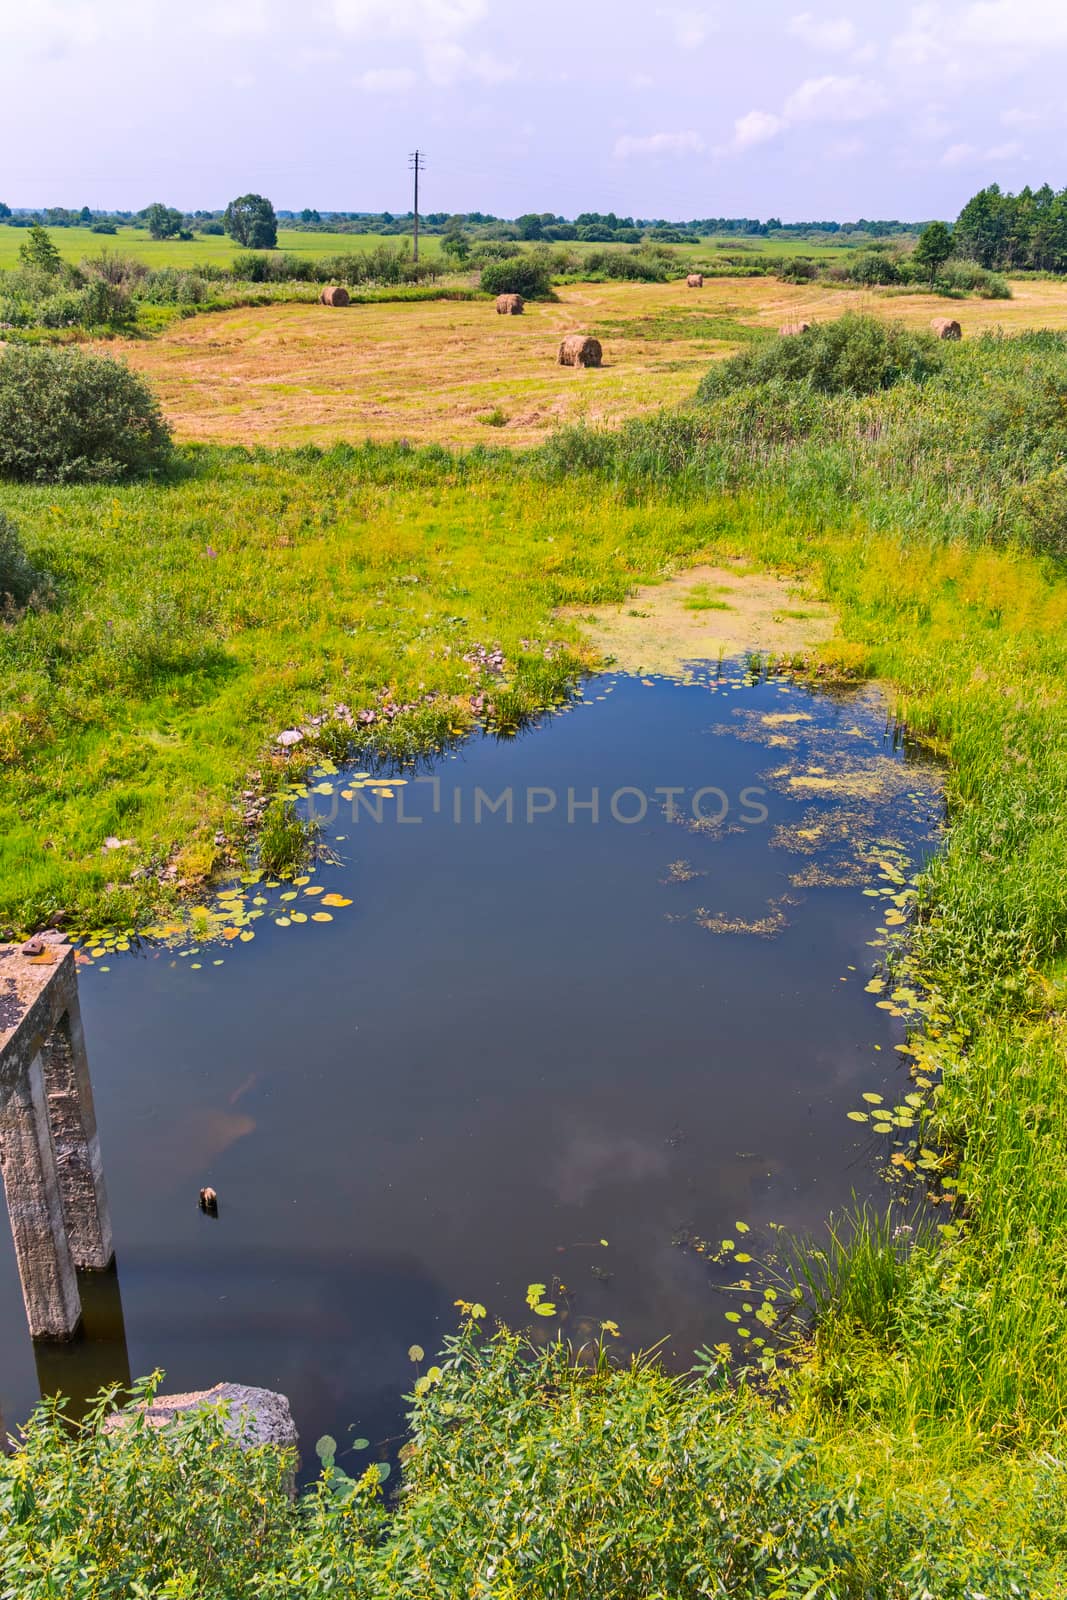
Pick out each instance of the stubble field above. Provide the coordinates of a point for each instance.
(455, 373)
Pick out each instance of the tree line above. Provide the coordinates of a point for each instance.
(1014, 232)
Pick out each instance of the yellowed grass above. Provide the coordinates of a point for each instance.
(434, 371)
(735, 610)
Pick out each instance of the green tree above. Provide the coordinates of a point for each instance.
(309, 214)
(251, 222)
(37, 250)
(5, 210)
(162, 222)
(456, 244)
(933, 248)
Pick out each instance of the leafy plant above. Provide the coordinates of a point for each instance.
(520, 275)
(66, 416)
(853, 355)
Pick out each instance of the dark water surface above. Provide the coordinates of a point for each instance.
(520, 1039)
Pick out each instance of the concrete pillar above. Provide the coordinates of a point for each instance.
(35, 1207)
(52, 1171)
(72, 1118)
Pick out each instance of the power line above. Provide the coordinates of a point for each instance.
(417, 163)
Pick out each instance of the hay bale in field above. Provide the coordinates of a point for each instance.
(335, 294)
(510, 305)
(695, 280)
(947, 328)
(789, 330)
(577, 350)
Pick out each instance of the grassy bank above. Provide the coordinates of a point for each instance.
(195, 618)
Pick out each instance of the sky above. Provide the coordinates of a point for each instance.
(674, 110)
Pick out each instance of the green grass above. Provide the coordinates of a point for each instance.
(195, 618)
(74, 243)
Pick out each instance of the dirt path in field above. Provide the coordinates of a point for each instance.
(702, 614)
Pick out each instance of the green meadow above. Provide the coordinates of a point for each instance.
(75, 243)
(911, 1444)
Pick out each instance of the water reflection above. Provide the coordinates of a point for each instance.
(515, 1039)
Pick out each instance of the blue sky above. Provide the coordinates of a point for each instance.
(656, 110)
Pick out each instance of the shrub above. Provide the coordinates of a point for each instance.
(873, 267)
(854, 355)
(632, 266)
(968, 277)
(519, 276)
(1041, 505)
(66, 416)
(213, 229)
(20, 582)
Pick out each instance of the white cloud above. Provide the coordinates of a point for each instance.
(828, 33)
(756, 127)
(1017, 117)
(386, 80)
(422, 19)
(447, 62)
(1004, 152)
(690, 28)
(834, 99)
(958, 155)
(846, 149)
(1015, 23)
(659, 144)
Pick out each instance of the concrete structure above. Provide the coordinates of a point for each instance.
(49, 1149)
(251, 1417)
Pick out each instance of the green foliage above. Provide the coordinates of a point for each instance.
(65, 417)
(1009, 232)
(519, 275)
(20, 581)
(932, 249)
(540, 1472)
(871, 267)
(1042, 511)
(967, 277)
(163, 222)
(179, 1513)
(856, 355)
(286, 841)
(38, 252)
(251, 222)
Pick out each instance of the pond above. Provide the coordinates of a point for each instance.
(598, 993)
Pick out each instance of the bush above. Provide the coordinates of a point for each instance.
(1041, 505)
(873, 267)
(967, 277)
(20, 582)
(518, 276)
(66, 416)
(630, 266)
(854, 355)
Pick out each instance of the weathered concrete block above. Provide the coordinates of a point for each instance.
(254, 1416)
(49, 1149)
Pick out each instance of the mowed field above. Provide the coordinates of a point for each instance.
(456, 373)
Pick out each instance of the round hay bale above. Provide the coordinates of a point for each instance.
(789, 330)
(947, 328)
(577, 350)
(695, 280)
(335, 294)
(510, 305)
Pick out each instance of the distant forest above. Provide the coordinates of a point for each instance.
(1015, 232)
(1002, 232)
(594, 227)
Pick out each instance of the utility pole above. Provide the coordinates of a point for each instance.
(417, 162)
